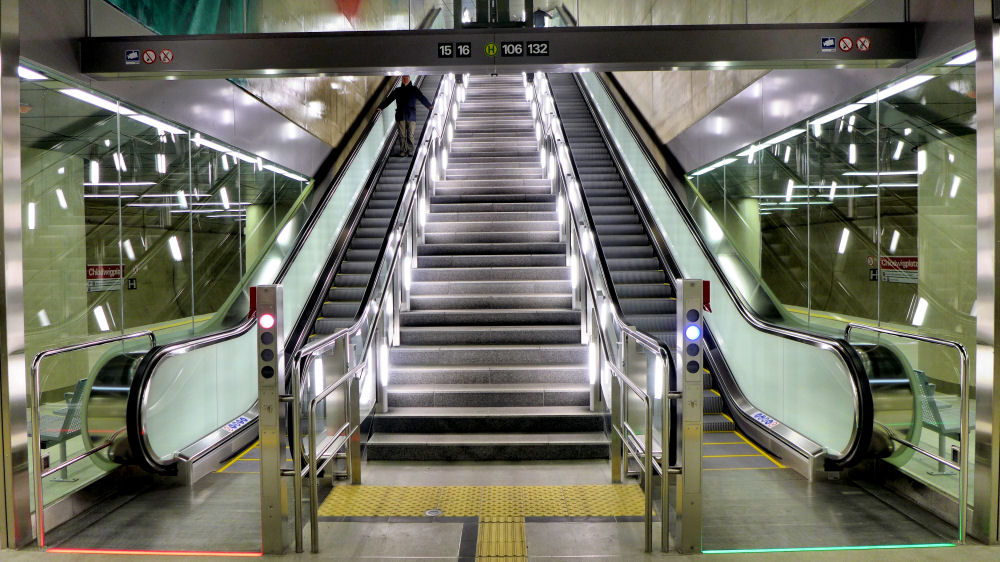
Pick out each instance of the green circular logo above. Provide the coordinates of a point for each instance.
(491, 49)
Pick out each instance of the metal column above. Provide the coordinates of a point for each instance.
(275, 520)
(986, 490)
(15, 486)
(690, 381)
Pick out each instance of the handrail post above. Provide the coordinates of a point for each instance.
(353, 429)
(616, 431)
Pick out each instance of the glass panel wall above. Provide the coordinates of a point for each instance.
(130, 223)
(198, 17)
(866, 213)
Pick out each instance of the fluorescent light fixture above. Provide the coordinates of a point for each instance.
(201, 141)
(225, 162)
(97, 101)
(31, 216)
(964, 58)
(117, 183)
(28, 74)
(788, 153)
(61, 171)
(224, 195)
(852, 153)
(771, 142)
(108, 196)
(175, 248)
(907, 131)
(107, 142)
(718, 164)
(843, 241)
(102, 319)
(161, 163)
(894, 242)
(847, 109)
(920, 313)
(894, 185)
(817, 129)
(594, 361)
(850, 124)
(61, 198)
(285, 173)
(383, 362)
(954, 186)
(789, 190)
(896, 88)
(181, 200)
(899, 151)
(240, 156)
(95, 172)
(159, 125)
(951, 157)
(921, 161)
(119, 159)
(43, 318)
(833, 190)
(129, 252)
(891, 173)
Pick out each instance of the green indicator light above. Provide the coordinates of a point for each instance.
(830, 548)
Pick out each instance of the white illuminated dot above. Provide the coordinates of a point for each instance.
(266, 321)
(692, 332)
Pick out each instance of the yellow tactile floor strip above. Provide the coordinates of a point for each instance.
(501, 538)
(612, 500)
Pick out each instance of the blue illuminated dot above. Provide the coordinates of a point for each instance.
(692, 332)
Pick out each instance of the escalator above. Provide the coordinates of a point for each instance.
(748, 333)
(186, 401)
(639, 272)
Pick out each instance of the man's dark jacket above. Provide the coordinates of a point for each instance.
(406, 102)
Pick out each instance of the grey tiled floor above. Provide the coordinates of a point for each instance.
(743, 509)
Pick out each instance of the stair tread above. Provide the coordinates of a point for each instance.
(488, 412)
(487, 387)
(432, 439)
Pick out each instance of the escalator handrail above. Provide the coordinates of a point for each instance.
(394, 234)
(861, 431)
(147, 366)
(307, 319)
(614, 308)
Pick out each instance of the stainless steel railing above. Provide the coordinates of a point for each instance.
(603, 319)
(377, 324)
(36, 436)
(963, 440)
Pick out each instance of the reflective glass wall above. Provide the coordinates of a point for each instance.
(866, 214)
(130, 223)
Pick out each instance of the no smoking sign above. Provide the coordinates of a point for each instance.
(846, 44)
(149, 56)
(864, 43)
(166, 55)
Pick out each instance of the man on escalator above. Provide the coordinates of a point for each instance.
(406, 97)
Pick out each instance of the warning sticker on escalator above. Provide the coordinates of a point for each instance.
(764, 420)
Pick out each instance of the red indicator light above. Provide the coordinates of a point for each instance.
(266, 321)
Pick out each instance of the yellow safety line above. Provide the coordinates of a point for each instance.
(716, 392)
(239, 457)
(726, 456)
(748, 468)
(724, 442)
(761, 451)
(728, 418)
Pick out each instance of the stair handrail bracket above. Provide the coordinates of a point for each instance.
(616, 348)
(356, 357)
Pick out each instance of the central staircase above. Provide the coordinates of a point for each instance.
(490, 364)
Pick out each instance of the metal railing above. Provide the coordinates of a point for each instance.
(603, 315)
(378, 319)
(36, 434)
(963, 440)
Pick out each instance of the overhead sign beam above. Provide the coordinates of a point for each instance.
(500, 50)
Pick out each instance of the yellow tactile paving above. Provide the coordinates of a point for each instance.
(485, 501)
(501, 538)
